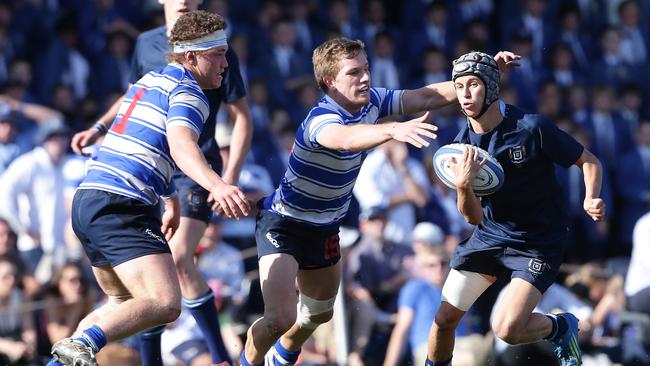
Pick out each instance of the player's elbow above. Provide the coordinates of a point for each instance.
(474, 219)
(588, 157)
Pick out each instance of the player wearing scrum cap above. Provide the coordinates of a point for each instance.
(115, 212)
(522, 228)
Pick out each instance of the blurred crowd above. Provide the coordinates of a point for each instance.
(586, 65)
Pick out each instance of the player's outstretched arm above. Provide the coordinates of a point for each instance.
(465, 172)
(89, 136)
(593, 175)
(363, 137)
(189, 158)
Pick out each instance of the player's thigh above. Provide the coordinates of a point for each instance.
(110, 283)
(150, 276)
(187, 236)
(321, 283)
(517, 304)
(278, 280)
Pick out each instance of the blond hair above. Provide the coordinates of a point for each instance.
(193, 25)
(326, 58)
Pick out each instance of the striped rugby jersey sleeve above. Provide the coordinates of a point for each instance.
(317, 122)
(187, 108)
(388, 101)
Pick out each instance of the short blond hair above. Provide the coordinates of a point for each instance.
(193, 25)
(326, 58)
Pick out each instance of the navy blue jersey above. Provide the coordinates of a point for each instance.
(529, 208)
(150, 54)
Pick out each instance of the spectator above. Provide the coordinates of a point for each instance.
(637, 281)
(9, 148)
(38, 175)
(389, 178)
(632, 185)
(70, 298)
(17, 330)
(376, 271)
(384, 72)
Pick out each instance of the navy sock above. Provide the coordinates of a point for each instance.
(150, 354)
(288, 356)
(560, 326)
(244, 361)
(554, 327)
(428, 362)
(204, 311)
(93, 337)
(54, 362)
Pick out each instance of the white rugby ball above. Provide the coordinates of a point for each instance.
(489, 179)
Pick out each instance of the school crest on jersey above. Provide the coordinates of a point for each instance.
(537, 266)
(517, 154)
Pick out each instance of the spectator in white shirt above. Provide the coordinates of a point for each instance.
(389, 178)
(637, 281)
(33, 197)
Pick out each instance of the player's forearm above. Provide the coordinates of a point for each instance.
(429, 97)
(189, 159)
(240, 142)
(592, 172)
(469, 205)
(356, 138)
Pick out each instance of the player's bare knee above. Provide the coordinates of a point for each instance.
(168, 309)
(278, 324)
(507, 331)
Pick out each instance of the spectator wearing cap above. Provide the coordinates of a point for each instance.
(419, 298)
(376, 270)
(425, 235)
(41, 218)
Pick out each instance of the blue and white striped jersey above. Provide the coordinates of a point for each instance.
(317, 186)
(134, 159)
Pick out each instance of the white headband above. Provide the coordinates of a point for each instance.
(206, 42)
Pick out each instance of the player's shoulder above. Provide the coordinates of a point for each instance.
(526, 121)
(325, 108)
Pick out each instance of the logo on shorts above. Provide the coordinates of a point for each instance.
(517, 154)
(536, 266)
(271, 239)
(153, 235)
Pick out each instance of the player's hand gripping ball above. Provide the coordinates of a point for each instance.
(489, 179)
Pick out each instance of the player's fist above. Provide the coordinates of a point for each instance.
(595, 207)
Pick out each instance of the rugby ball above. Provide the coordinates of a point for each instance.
(489, 179)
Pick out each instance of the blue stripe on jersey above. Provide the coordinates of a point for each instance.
(135, 160)
(333, 179)
(317, 186)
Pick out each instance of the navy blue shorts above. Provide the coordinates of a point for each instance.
(537, 264)
(312, 247)
(114, 229)
(193, 198)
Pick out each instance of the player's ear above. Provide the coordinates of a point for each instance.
(190, 57)
(329, 82)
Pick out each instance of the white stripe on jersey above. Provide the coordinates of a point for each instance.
(303, 194)
(139, 154)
